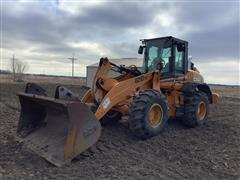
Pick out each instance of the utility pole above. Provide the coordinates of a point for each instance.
(13, 66)
(73, 59)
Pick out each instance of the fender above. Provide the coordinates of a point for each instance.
(192, 87)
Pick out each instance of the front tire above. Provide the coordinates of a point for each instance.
(111, 118)
(148, 114)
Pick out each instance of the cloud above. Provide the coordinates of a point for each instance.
(45, 32)
(222, 71)
(208, 16)
(76, 8)
(216, 43)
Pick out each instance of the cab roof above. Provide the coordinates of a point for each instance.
(165, 37)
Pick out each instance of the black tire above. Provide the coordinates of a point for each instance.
(192, 117)
(139, 120)
(111, 118)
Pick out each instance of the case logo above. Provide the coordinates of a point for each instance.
(140, 79)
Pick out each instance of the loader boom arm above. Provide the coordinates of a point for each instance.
(120, 92)
(111, 93)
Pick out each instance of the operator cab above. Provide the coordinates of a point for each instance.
(168, 54)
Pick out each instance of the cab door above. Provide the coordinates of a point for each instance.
(179, 59)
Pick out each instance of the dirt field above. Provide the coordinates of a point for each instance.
(210, 152)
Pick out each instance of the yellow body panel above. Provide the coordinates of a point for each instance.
(117, 93)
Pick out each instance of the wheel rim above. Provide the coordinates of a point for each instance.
(202, 110)
(155, 115)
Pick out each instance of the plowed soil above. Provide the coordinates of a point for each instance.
(208, 152)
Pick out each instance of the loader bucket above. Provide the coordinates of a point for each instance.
(56, 129)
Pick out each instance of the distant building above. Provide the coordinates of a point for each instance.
(91, 69)
(5, 72)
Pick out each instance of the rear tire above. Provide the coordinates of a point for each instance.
(196, 109)
(148, 114)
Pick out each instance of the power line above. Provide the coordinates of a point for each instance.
(73, 59)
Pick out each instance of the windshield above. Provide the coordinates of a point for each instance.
(157, 51)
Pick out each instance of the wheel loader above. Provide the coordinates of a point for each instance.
(167, 86)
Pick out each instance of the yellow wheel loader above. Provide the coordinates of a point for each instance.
(168, 86)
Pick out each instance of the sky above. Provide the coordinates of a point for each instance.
(44, 34)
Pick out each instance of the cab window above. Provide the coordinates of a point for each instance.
(166, 54)
(155, 56)
(152, 57)
(179, 60)
(152, 54)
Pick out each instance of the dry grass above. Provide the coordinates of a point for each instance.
(226, 91)
(45, 79)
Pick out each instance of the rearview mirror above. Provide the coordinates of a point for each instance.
(140, 50)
